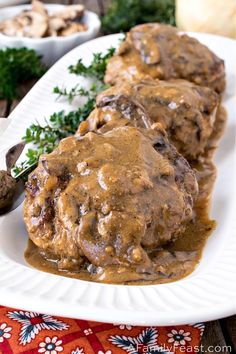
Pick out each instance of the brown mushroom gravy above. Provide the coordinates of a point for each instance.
(172, 260)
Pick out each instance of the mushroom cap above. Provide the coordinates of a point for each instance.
(11, 28)
(55, 24)
(37, 6)
(71, 12)
(37, 26)
(72, 28)
(7, 189)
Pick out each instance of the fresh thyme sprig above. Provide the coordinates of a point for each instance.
(72, 93)
(78, 91)
(97, 67)
(45, 138)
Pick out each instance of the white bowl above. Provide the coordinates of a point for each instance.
(51, 48)
(4, 3)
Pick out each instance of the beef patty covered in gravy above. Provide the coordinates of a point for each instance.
(101, 205)
(186, 111)
(161, 52)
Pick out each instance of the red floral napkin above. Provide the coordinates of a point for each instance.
(24, 332)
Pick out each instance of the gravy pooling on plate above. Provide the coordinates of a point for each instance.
(118, 203)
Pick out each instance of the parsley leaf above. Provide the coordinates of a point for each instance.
(18, 65)
(121, 15)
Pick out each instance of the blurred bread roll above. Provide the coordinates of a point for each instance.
(210, 16)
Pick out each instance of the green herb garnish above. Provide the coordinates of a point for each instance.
(121, 15)
(45, 138)
(97, 67)
(17, 66)
(72, 93)
(77, 90)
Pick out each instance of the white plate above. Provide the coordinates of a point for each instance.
(208, 293)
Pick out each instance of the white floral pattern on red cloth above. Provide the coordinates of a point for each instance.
(50, 346)
(144, 342)
(179, 337)
(88, 331)
(199, 326)
(128, 327)
(32, 323)
(78, 351)
(26, 332)
(4, 332)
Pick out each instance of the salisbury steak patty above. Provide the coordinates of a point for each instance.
(186, 111)
(107, 199)
(115, 110)
(160, 51)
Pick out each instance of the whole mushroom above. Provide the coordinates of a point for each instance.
(7, 189)
(55, 24)
(11, 28)
(72, 28)
(71, 12)
(37, 6)
(37, 24)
